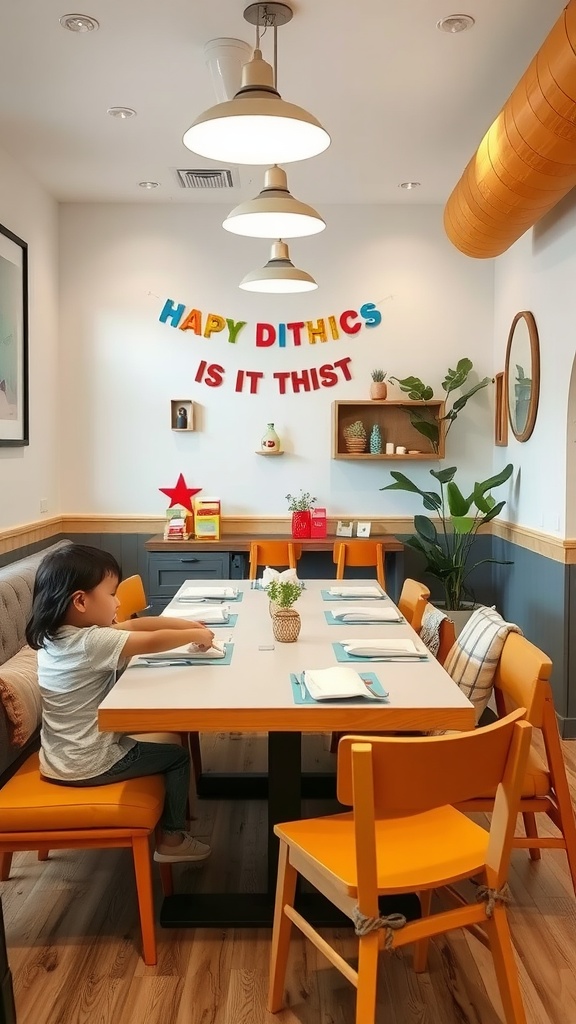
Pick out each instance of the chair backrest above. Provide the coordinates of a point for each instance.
(522, 679)
(358, 553)
(413, 602)
(274, 553)
(391, 776)
(132, 598)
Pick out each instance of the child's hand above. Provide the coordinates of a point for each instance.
(203, 638)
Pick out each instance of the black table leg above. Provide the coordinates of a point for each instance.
(284, 774)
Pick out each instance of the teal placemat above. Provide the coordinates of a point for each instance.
(364, 622)
(342, 655)
(210, 600)
(370, 677)
(183, 663)
(327, 596)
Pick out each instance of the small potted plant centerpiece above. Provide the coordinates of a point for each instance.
(300, 508)
(285, 619)
(378, 387)
(355, 437)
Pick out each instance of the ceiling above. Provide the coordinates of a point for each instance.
(401, 100)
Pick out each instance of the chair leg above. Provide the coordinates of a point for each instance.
(529, 819)
(420, 959)
(285, 892)
(5, 866)
(505, 966)
(367, 978)
(166, 879)
(143, 872)
(43, 853)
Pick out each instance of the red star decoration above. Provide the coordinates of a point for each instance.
(181, 494)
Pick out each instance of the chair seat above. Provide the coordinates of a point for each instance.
(28, 803)
(536, 780)
(455, 848)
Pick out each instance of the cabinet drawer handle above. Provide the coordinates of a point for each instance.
(189, 559)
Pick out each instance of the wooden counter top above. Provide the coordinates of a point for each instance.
(242, 541)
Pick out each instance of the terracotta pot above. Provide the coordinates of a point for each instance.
(286, 625)
(301, 525)
(378, 390)
(355, 445)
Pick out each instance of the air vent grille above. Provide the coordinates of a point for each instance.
(206, 178)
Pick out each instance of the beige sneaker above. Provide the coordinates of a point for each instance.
(190, 849)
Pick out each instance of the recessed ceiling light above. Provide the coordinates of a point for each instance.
(149, 184)
(79, 23)
(455, 23)
(409, 184)
(122, 112)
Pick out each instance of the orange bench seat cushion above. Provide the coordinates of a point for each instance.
(28, 803)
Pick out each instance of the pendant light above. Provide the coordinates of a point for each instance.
(258, 126)
(274, 213)
(279, 274)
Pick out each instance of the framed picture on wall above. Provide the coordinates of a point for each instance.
(13, 339)
(500, 412)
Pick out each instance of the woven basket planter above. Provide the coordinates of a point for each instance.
(355, 445)
(286, 625)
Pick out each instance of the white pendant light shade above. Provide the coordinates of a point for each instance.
(279, 275)
(224, 58)
(257, 126)
(274, 213)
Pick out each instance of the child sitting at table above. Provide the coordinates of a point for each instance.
(81, 650)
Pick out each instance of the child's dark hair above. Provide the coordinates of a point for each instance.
(60, 575)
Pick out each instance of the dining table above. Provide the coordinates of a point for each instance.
(260, 688)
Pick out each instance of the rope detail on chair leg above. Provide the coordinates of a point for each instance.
(493, 896)
(391, 922)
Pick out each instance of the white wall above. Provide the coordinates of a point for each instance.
(121, 367)
(30, 473)
(539, 274)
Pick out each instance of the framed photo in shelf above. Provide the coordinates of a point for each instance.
(344, 528)
(13, 340)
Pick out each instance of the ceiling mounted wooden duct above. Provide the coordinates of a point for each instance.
(526, 162)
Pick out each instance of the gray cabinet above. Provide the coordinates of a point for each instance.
(168, 570)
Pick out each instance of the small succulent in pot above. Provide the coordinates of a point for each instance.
(378, 387)
(355, 436)
(302, 502)
(284, 593)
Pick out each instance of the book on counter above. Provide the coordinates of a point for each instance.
(175, 527)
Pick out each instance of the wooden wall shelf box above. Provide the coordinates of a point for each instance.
(393, 418)
(182, 403)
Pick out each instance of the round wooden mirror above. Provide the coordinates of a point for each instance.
(522, 375)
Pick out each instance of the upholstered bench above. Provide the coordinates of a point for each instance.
(40, 815)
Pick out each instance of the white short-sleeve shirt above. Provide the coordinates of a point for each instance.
(75, 672)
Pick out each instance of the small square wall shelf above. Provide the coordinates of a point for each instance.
(182, 414)
(393, 418)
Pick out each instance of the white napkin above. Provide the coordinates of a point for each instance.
(200, 612)
(356, 592)
(331, 683)
(270, 574)
(187, 652)
(368, 648)
(359, 614)
(198, 592)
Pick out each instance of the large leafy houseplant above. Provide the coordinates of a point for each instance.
(417, 391)
(447, 551)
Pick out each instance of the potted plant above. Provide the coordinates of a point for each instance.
(355, 437)
(285, 619)
(300, 508)
(448, 552)
(378, 387)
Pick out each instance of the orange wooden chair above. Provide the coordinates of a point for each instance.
(413, 602)
(40, 815)
(132, 597)
(523, 680)
(359, 553)
(133, 600)
(274, 553)
(404, 835)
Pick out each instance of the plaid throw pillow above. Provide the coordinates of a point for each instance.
(473, 659)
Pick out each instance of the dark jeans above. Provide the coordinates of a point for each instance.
(167, 759)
